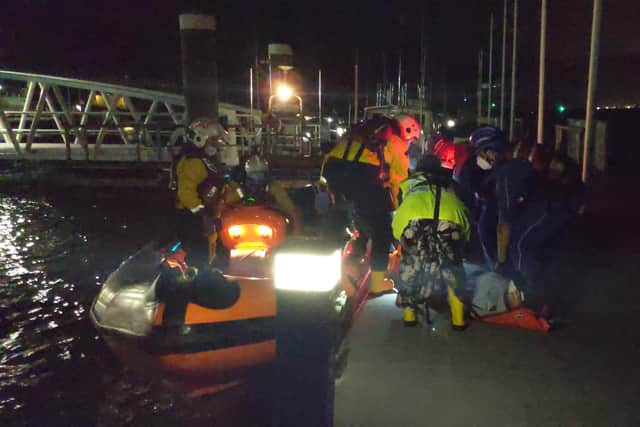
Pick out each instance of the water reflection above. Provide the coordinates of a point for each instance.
(34, 305)
(54, 369)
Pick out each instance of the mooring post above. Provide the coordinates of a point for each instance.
(490, 90)
(541, 74)
(514, 64)
(503, 72)
(479, 90)
(592, 87)
(199, 69)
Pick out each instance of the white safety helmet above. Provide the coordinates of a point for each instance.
(409, 127)
(201, 131)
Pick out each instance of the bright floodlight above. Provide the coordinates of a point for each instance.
(284, 92)
(451, 123)
(306, 272)
(329, 119)
(340, 131)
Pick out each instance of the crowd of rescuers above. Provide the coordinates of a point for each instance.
(427, 208)
(515, 200)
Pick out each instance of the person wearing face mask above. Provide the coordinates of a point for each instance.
(477, 186)
(199, 184)
(523, 210)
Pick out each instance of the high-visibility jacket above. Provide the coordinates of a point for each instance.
(397, 149)
(418, 202)
(200, 185)
(393, 155)
(191, 172)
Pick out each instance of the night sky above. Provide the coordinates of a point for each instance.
(138, 41)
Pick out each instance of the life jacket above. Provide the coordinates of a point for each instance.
(211, 188)
(185, 150)
(374, 146)
(371, 139)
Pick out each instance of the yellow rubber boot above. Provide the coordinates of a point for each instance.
(409, 316)
(457, 311)
(379, 285)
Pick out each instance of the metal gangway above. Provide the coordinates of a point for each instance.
(55, 118)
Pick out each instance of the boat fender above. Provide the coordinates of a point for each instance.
(209, 289)
(171, 287)
(212, 290)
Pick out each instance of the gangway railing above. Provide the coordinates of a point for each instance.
(47, 118)
(65, 119)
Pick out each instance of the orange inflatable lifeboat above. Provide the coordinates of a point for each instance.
(215, 329)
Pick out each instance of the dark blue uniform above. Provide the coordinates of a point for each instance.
(476, 188)
(534, 217)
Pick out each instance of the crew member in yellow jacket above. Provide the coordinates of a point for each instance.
(364, 169)
(432, 227)
(202, 191)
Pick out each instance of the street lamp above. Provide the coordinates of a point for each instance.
(284, 92)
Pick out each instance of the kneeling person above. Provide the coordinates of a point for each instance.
(432, 227)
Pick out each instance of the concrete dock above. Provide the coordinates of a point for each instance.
(584, 374)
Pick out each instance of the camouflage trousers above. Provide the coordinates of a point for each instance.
(431, 262)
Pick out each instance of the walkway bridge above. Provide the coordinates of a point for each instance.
(47, 118)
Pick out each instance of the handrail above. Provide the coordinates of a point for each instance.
(89, 85)
(48, 123)
(147, 94)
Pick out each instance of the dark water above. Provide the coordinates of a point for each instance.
(55, 252)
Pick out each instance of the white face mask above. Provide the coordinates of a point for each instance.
(210, 151)
(483, 164)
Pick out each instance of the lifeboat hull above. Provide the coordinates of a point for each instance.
(202, 350)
